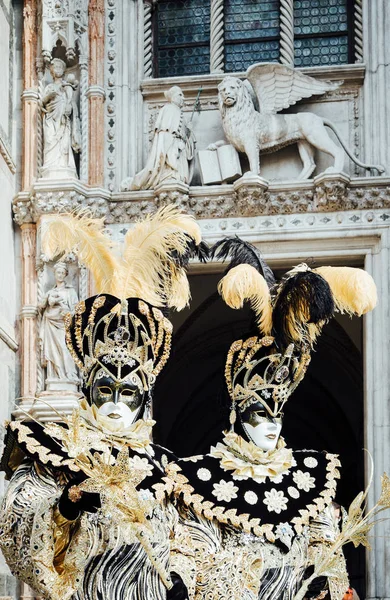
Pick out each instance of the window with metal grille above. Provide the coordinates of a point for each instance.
(252, 32)
(322, 32)
(182, 37)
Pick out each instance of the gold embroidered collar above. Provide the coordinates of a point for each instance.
(248, 461)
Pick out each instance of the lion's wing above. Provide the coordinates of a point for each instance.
(278, 86)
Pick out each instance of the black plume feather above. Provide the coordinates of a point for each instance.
(241, 252)
(201, 252)
(302, 298)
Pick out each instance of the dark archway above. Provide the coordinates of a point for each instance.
(325, 412)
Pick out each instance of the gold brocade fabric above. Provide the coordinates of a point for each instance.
(247, 461)
(62, 560)
(233, 565)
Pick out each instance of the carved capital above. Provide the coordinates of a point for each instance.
(21, 207)
(172, 192)
(331, 192)
(250, 191)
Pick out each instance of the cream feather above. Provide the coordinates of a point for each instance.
(242, 283)
(148, 270)
(85, 237)
(354, 290)
(180, 292)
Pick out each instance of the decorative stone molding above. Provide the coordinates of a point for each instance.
(59, 197)
(127, 211)
(111, 81)
(256, 197)
(153, 89)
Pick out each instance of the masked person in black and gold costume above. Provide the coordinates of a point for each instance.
(80, 519)
(256, 511)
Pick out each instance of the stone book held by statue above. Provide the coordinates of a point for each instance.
(219, 166)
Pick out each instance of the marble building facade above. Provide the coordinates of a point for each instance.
(116, 72)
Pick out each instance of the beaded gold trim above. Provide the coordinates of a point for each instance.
(178, 484)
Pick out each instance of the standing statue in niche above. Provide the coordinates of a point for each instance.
(59, 300)
(251, 131)
(61, 124)
(173, 148)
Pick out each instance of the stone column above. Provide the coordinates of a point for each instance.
(30, 97)
(287, 32)
(129, 139)
(96, 92)
(376, 27)
(377, 414)
(217, 34)
(29, 312)
(83, 61)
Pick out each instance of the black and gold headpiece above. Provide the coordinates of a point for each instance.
(290, 314)
(119, 338)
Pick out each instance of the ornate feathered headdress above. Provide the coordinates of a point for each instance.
(289, 315)
(123, 329)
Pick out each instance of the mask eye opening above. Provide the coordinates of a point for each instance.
(105, 390)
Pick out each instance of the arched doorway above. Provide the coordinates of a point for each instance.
(325, 412)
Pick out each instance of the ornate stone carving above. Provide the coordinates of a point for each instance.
(46, 198)
(289, 202)
(250, 131)
(331, 192)
(173, 148)
(61, 124)
(66, 201)
(63, 22)
(250, 195)
(55, 357)
(125, 212)
(215, 207)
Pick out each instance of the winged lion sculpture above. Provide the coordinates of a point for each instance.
(278, 87)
